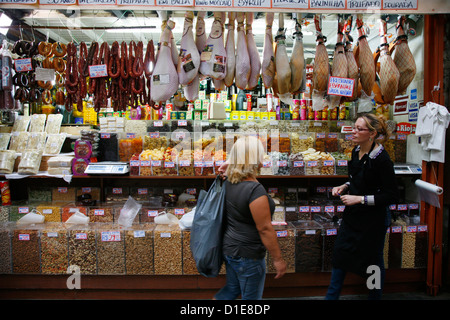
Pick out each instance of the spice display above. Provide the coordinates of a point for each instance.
(7, 160)
(5, 249)
(286, 241)
(51, 212)
(139, 249)
(54, 249)
(110, 249)
(168, 250)
(68, 210)
(189, 266)
(4, 140)
(296, 164)
(63, 194)
(308, 247)
(101, 214)
(26, 251)
(83, 249)
(409, 246)
(129, 146)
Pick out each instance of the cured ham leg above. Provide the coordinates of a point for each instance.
(173, 47)
(389, 74)
(230, 47)
(255, 61)
(321, 66)
(282, 61)
(191, 90)
(268, 62)
(164, 77)
(200, 31)
(214, 56)
(403, 58)
(242, 71)
(365, 60)
(189, 57)
(340, 66)
(352, 66)
(298, 70)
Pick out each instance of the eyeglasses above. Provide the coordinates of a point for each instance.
(359, 129)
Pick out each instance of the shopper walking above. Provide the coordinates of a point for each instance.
(368, 193)
(248, 229)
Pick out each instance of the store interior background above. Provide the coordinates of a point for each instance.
(66, 25)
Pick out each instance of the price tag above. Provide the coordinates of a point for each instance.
(62, 189)
(142, 191)
(117, 190)
(98, 71)
(52, 234)
(331, 232)
(282, 234)
(310, 232)
(24, 237)
(179, 211)
(99, 212)
(23, 65)
(110, 236)
(24, 209)
(158, 123)
(139, 234)
(165, 235)
(81, 236)
(152, 213)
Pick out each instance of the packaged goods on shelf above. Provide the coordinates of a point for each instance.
(37, 140)
(139, 249)
(168, 250)
(286, 241)
(4, 140)
(37, 123)
(54, 248)
(7, 161)
(19, 140)
(83, 248)
(60, 161)
(79, 166)
(30, 162)
(21, 124)
(110, 249)
(53, 125)
(54, 143)
(25, 249)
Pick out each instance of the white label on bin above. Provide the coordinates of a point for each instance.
(166, 235)
(139, 234)
(184, 163)
(47, 211)
(328, 163)
(52, 234)
(24, 237)
(179, 211)
(110, 236)
(310, 232)
(282, 234)
(86, 190)
(291, 209)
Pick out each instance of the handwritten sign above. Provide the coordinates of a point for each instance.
(252, 3)
(184, 3)
(136, 2)
(44, 74)
(98, 71)
(56, 2)
(399, 4)
(23, 65)
(363, 4)
(290, 4)
(341, 86)
(327, 4)
(96, 2)
(214, 3)
(19, 1)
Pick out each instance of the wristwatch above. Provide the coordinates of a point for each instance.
(362, 200)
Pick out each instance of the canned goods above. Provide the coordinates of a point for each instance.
(6, 193)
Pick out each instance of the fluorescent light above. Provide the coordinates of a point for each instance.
(128, 30)
(5, 21)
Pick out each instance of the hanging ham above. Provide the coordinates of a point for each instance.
(200, 31)
(389, 74)
(298, 70)
(214, 56)
(403, 58)
(165, 77)
(353, 70)
(340, 67)
(230, 47)
(242, 71)
(189, 57)
(365, 59)
(255, 61)
(268, 62)
(282, 65)
(192, 89)
(321, 66)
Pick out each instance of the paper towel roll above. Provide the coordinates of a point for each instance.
(429, 187)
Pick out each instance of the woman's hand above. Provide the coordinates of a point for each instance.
(337, 191)
(349, 200)
(222, 169)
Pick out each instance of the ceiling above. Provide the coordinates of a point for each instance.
(143, 25)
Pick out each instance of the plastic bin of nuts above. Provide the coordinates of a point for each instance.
(330, 231)
(185, 163)
(312, 162)
(139, 249)
(168, 250)
(5, 247)
(286, 241)
(67, 210)
(110, 248)
(83, 248)
(117, 194)
(54, 248)
(25, 249)
(308, 246)
(18, 209)
(189, 265)
(101, 213)
(51, 211)
(140, 194)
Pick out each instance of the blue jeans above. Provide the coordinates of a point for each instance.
(245, 277)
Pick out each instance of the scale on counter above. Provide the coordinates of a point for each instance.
(107, 167)
(407, 168)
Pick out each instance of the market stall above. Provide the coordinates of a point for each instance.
(145, 102)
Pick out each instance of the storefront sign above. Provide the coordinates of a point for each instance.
(406, 128)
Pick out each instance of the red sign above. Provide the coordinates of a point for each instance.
(406, 128)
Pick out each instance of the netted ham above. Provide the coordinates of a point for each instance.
(200, 31)
(389, 74)
(403, 58)
(340, 67)
(189, 57)
(255, 61)
(242, 71)
(297, 62)
(352, 66)
(164, 81)
(214, 56)
(365, 59)
(268, 62)
(230, 47)
(321, 66)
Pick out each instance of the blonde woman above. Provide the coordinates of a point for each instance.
(248, 229)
